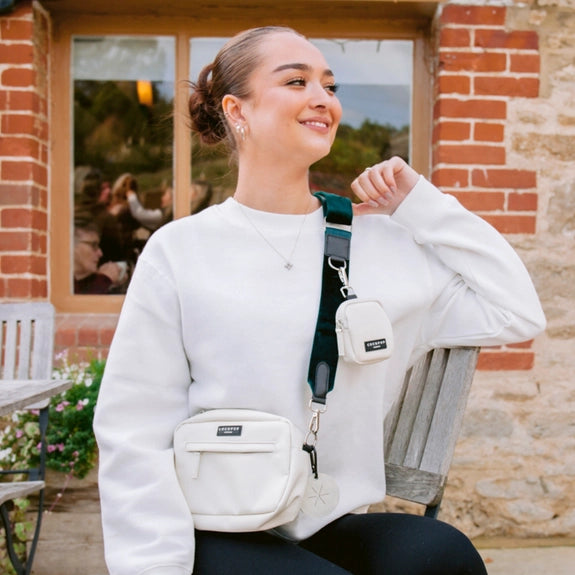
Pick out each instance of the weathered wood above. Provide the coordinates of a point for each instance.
(18, 489)
(28, 342)
(422, 428)
(21, 393)
(413, 484)
(449, 411)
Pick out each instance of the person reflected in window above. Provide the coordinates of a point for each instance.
(151, 219)
(89, 276)
(93, 205)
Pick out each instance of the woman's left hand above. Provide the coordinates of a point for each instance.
(382, 187)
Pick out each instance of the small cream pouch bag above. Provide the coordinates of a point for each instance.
(364, 333)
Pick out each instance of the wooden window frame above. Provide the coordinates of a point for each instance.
(67, 25)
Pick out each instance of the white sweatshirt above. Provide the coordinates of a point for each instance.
(212, 319)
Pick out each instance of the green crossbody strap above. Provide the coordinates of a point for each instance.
(338, 215)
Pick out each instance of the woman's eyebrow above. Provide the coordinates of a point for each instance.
(302, 67)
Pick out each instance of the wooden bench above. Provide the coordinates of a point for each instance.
(422, 428)
(26, 351)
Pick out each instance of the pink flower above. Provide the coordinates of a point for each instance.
(19, 433)
(60, 447)
(61, 406)
(51, 448)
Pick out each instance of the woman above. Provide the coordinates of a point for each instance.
(221, 313)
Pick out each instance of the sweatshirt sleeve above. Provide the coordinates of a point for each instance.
(149, 218)
(484, 293)
(147, 526)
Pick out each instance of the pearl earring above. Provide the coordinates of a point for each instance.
(241, 130)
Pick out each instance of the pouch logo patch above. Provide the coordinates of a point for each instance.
(375, 344)
(229, 430)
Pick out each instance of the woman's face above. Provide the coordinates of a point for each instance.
(292, 112)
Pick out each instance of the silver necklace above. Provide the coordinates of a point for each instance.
(288, 262)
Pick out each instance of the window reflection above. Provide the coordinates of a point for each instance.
(375, 79)
(123, 141)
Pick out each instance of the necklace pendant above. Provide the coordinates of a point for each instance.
(288, 266)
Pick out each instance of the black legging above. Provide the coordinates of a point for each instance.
(366, 544)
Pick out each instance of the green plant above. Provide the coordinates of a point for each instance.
(70, 441)
(71, 445)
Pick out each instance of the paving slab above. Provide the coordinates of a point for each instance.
(530, 561)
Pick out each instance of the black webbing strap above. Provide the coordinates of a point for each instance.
(324, 356)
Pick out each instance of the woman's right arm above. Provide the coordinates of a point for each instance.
(148, 528)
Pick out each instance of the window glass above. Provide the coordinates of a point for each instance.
(375, 80)
(123, 90)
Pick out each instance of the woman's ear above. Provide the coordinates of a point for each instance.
(232, 108)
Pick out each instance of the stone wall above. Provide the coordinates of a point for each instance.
(514, 470)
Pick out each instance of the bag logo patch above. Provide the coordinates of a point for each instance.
(229, 430)
(375, 344)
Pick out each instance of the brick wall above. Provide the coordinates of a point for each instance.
(480, 67)
(24, 49)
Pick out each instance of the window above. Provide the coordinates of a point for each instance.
(120, 92)
(123, 92)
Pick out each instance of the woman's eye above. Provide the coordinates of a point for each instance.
(297, 82)
(333, 88)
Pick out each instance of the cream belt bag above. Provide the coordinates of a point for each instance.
(241, 470)
(244, 470)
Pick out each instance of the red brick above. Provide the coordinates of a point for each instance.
(39, 241)
(23, 264)
(480, 201)
(471, 154)
(452, 131)
(18, 194)
(522, 202)
(454, 38)
(18, 77)
(19, 146)
(521, 345)
(512, 87)
(19, 288)
(515, 40)
(477, 108)
(505, 361)
(39, 288)
(18, 124)
(11, 241)
(24, 171)
(19, 101)
(472, 61)
(450, 178)
(484, 132)
(508, 224)
(12, 29)
(88, 336)
(503, 178)
(16, 54)
(22, 218)
(454, 84)
(525, 63)
(473, 15)
(65, 337)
